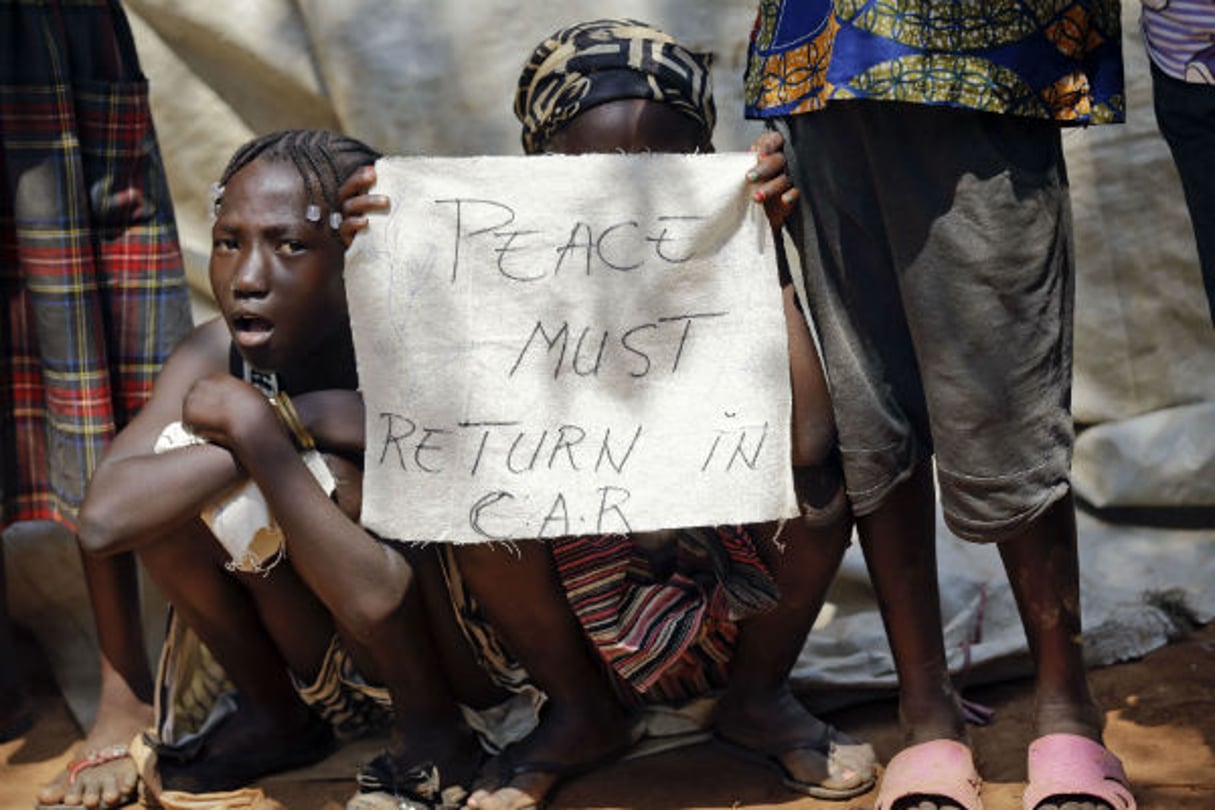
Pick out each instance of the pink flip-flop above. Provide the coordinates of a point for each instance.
(1068, 765)
(940, 768)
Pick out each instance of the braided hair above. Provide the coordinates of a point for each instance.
(323, 159)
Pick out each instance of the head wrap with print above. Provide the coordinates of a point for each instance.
(599, 61)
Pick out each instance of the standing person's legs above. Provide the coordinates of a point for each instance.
(15, 716)
(124, 707)
(988, 291)
(850, 266)
(129, 299)
(889, 298)
(583, 722)
(1185, 112)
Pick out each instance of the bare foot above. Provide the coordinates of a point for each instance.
(568, 742)
(101, 775)
(812, 756)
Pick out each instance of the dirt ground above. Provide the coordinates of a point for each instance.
(1161, 721)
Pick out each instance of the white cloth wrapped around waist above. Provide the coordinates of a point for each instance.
(240, 519)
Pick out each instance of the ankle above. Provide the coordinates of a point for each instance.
(928, 716)
(1068, 713)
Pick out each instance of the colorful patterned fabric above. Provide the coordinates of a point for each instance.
(665, 622)
(1180, 38)
(91, 279)
(1052, 59)
(606, 60)
(668, 634)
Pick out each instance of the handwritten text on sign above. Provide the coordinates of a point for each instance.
(569, 345)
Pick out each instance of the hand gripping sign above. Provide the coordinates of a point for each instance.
(560, 345)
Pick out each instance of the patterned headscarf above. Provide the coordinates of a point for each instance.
(595, 62)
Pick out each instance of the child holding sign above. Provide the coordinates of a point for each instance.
(619, 85)
(267, 394)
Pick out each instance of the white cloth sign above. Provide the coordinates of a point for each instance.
(565, 345)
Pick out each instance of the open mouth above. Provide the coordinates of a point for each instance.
(251, 330)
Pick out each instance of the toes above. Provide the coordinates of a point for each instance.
(55, 792)
(507, 798)
(930, 804)
(74, 795)
(128, 782)
(109, 791)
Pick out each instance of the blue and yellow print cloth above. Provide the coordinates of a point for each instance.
(1051, 59)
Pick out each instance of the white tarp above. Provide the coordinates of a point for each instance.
(563, 345)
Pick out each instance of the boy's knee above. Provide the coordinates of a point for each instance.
(820, 493)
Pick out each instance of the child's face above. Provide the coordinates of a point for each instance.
(276, 276)
(630, 125)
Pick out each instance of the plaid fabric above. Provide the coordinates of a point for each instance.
(94, 294)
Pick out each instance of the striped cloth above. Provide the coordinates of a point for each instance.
(669, 634)
(1180, 38)
(664, 621)
(94, 295)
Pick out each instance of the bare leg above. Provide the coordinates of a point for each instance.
(426, 670)
(1043, 569)
(899, 544)
(124, 707)
(15, 715)
(273, 719)
(470, 684)
(583, 722)
(758, 710)
(293, 617)
(900, 552)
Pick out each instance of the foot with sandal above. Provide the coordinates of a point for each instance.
(568, 743)
(102, 773)
(241, 748)
(811, 756)
(428, 769)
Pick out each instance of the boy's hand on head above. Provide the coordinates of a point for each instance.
(771, 185)
(355, 203)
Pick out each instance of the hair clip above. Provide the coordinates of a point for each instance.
(335, 220)
(312, 213)
(217, 197)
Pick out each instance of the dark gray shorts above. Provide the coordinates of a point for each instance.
(937, 256)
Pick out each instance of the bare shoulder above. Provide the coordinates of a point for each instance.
(203, 351)
(206, 345)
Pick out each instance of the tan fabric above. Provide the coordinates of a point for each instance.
(152, 796)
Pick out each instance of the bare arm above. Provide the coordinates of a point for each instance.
(335, 419)
(136, 495)
(358, 578)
